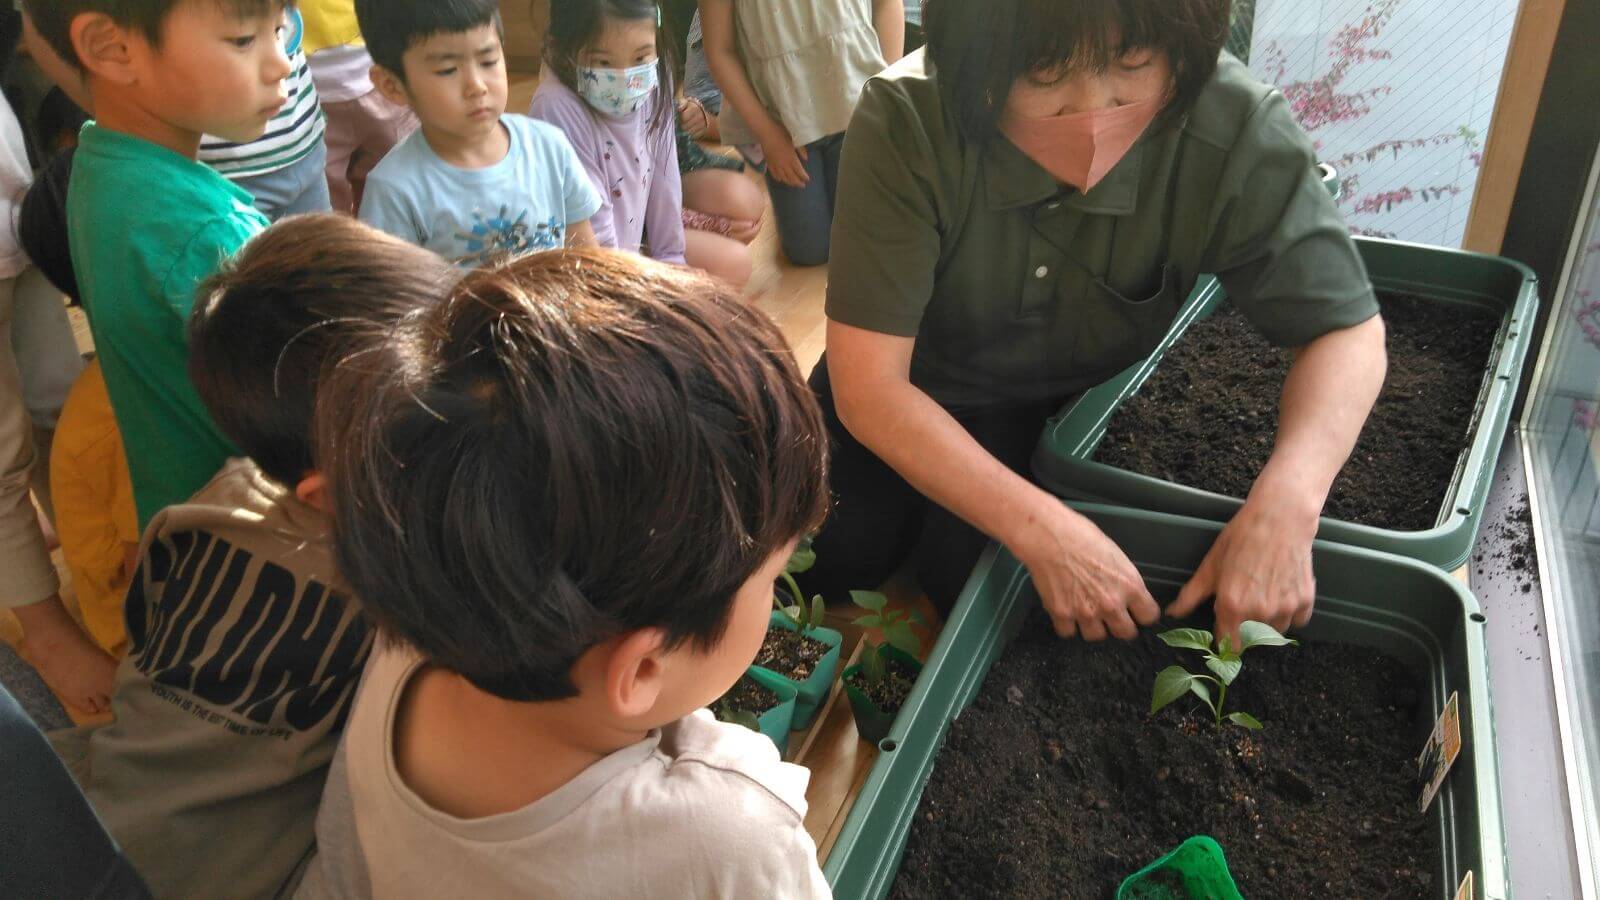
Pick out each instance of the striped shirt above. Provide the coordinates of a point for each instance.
(292, 134)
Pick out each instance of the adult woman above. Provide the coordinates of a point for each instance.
(1021, 212)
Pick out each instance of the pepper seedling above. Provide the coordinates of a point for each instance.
(804, 617)
(725, 712)
(896, 627)
(1223, 661)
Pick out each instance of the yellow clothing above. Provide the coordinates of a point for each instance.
(329, 23)
(95, 515)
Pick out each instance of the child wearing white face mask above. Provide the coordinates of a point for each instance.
(612, 97)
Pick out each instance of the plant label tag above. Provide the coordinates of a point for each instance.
(1440, 753)
(1465, 891)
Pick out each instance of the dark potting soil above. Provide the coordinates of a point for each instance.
(888, 694)
(1208, 415)
(1057, 782)
(748, 696)
(790, 653)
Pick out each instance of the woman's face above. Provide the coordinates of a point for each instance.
(1141, 74)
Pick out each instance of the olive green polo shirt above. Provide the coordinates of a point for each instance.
(1018, 289)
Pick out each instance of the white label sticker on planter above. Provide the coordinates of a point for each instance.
(1465, 891)
(1443, 746)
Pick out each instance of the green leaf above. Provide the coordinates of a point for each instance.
(1171, 683)
(869, 600)
(1245, 720)
(1187, 638)
(746, 718)
(802, 560)
(1260, 634)
(1198, 688)
(900, 636)
(1226, 670)
(793, 614)
(817, 610)
(870, 621)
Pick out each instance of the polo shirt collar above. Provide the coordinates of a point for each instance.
(1013, 179)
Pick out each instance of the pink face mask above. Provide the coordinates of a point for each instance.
(1080, 148)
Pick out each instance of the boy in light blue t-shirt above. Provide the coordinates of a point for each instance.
(473, 184)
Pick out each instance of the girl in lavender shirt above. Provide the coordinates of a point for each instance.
(612, 96)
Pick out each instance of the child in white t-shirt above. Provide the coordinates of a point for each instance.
(564, 493)
(472, 184)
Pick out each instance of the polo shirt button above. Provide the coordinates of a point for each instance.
(1041, 272)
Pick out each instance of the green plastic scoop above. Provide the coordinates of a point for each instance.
(1196, 870)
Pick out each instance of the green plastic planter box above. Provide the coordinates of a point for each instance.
(776, 721)
(814, 690)
(1064, 464)
(1438, 633)
(872, 723)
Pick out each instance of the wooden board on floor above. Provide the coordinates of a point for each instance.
(838, 758)
(839, 761)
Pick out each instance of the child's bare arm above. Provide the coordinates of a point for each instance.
(581, 234)
(889, 19)
(784, 161)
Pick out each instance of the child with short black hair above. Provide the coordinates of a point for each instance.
(612, 97)
(472, 183)
(245, 648)
(564, 493)
(147, 222)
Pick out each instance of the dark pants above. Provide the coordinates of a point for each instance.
(805, 215)
(878, 521)
(51, 842)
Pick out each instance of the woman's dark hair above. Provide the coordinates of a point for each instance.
(42, 224)
(391, 27)
(285, 307)
(981, 48)
(576, 24)
(570, 447)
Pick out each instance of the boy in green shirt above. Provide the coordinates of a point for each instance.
(146, 221)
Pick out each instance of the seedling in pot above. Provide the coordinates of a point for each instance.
(898, 651)
(805, 617)
(1221, 659)
(894, 623)
(725, 711)
(744, 703)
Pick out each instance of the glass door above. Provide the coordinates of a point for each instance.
(1563, 462)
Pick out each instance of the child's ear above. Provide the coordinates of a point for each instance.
(635, 673)
(390, 86)
(313, 491)
(104, 47)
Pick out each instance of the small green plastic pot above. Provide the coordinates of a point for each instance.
(813, 690)
(872, 723)
(1199, 865)
(776, 721)
(1330, 179)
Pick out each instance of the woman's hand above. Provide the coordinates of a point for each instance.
(1259, 569)
(785, 161)
(1086, 583)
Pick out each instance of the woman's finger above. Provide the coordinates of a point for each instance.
(1093, 629)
